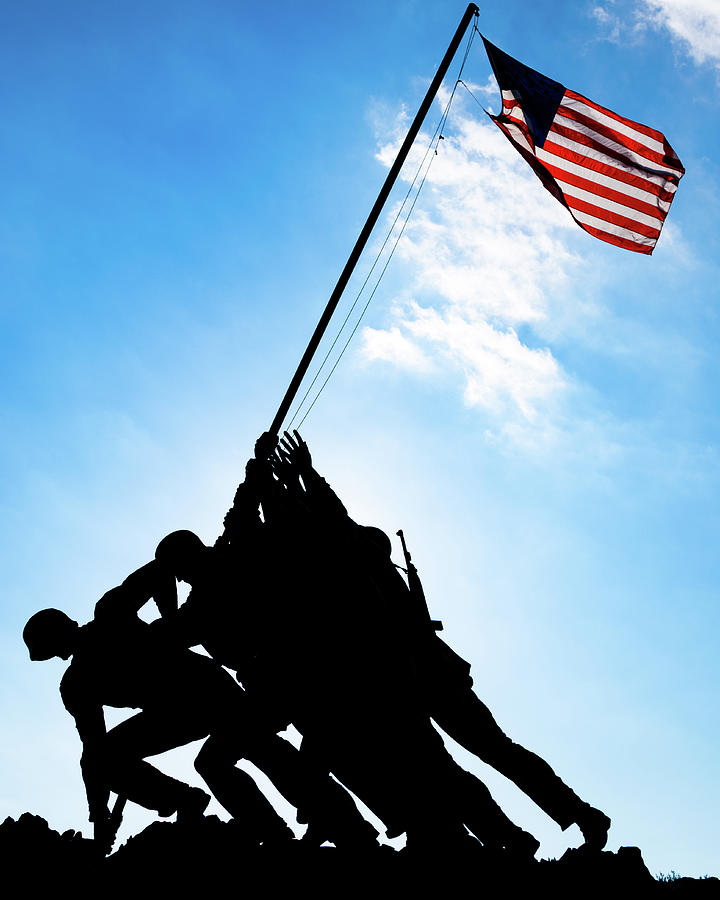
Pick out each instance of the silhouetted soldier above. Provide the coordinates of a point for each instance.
(442, 677)
(294, 652)
(460, 713)
(119, 660)
(233, 614)
(355, 701)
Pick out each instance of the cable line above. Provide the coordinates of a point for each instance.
(433, 145)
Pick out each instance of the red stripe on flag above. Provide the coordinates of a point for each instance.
(542, 173)
(579, 138)
(623, 139)
(614, 218)
(625, 243)
(601, 190)
(650, 132)
(517, 123)
(589, 162)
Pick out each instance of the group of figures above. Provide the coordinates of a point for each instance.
(322, 631)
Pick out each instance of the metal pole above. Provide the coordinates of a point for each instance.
(371, 220)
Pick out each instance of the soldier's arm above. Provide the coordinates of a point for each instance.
(277, 502)
(243, 515)
(321, 497)
(150, 582)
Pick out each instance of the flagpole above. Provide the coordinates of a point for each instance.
(472, 10)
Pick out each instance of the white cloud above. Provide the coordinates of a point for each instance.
(487, 260)
(609, 20)
(693, 24)
(489, 89)
(393, 346)
(499, 369)
(601, 14)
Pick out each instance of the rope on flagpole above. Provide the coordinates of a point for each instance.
(473, 96)
(433, 144)
(367, 279)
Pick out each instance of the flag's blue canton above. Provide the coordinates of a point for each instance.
(539, 95)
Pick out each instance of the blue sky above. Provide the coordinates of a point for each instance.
(537, 410)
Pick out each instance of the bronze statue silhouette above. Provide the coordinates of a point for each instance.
(236, 626)
(440, 675)
(119, 660)
(296, 657)
(345, 671)
(308, 609)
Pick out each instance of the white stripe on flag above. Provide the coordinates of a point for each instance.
(610, 228)
(583, 150)
(610, 205)
(631, 155)
(614, 184)
(591, 113)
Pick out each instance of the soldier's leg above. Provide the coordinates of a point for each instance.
(305, 782)
(397, 764)
(237, 791)
(487, 821)
(468, 721)
(437, 810)
(148, 733)
(250, 729)
(246, 729)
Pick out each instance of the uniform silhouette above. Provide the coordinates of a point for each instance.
(452, 704)
(440, 677)
(119, 660)
(261, 604)
(307, 608)
(232, 615)
(351, 680)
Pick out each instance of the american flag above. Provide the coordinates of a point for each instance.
(616, 177)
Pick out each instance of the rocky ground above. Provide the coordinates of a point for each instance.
(212, 857)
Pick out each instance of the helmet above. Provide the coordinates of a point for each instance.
(177, 545)
(178, 549)
(49, 633)
(378, 537)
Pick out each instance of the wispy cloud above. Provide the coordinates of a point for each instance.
(609, 21)
(693, 24)
(392, 345)
(487, 260)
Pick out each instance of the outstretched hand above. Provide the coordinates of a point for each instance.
(281, 466)
(296, 451)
